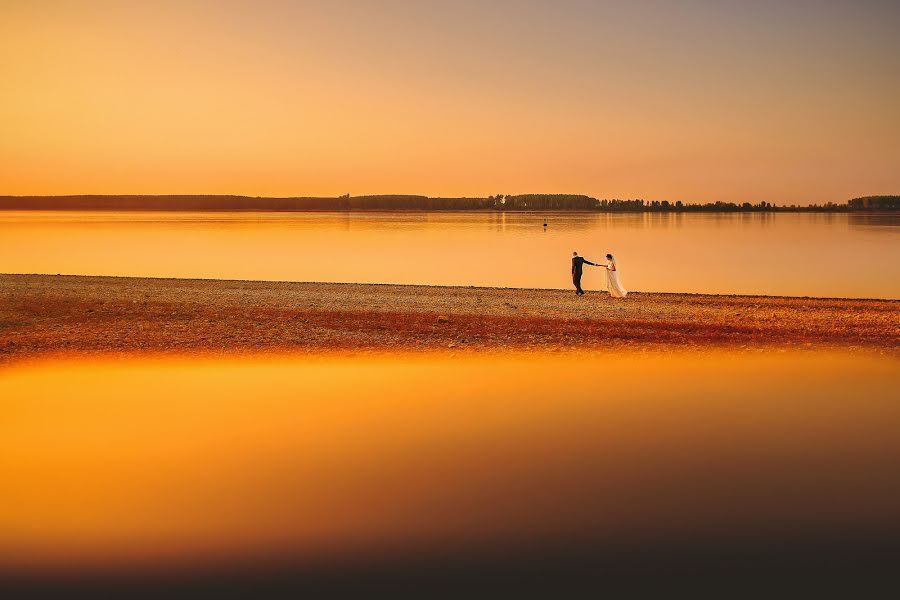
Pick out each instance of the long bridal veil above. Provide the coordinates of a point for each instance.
(616, 289)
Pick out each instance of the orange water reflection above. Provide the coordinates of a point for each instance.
(153, 461)
(785, 254)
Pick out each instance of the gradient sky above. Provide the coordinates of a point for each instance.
(783, 101)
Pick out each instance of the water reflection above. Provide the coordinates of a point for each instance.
(161, 461)
(875, 220)
(827, 255)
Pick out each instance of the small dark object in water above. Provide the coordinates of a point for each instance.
(545, 224)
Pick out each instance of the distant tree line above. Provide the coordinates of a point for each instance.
(875, 203)
(498, 202)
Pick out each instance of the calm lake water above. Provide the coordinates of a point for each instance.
(130, 461)
(785, 254)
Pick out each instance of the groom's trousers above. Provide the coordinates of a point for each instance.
(576, 279)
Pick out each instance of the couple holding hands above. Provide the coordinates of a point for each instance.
(612, 275)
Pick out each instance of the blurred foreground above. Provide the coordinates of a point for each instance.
(447, 471)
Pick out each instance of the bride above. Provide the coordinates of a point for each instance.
(612, 279)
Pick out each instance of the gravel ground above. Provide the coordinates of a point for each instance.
(42, 314)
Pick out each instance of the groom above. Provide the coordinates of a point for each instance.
(577, 263)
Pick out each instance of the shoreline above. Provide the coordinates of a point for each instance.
(537, 211)
(568, 290)
(44, 315)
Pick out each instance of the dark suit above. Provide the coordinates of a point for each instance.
(578, 263)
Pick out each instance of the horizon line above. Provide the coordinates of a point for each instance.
(412, 195)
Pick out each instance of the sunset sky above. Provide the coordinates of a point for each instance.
(787, 101)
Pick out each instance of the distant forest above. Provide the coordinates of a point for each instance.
(500, 202)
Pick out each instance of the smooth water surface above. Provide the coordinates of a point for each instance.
(826, 255)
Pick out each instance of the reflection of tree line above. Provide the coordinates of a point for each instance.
(500, 202)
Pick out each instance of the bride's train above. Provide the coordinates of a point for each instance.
(615, 287)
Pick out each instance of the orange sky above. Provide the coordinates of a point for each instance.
(700, 101)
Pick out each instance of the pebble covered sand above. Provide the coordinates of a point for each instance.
(51, 314)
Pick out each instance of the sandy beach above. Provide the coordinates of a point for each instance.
(45, 314)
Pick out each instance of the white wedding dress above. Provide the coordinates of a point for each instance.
(616, 290)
